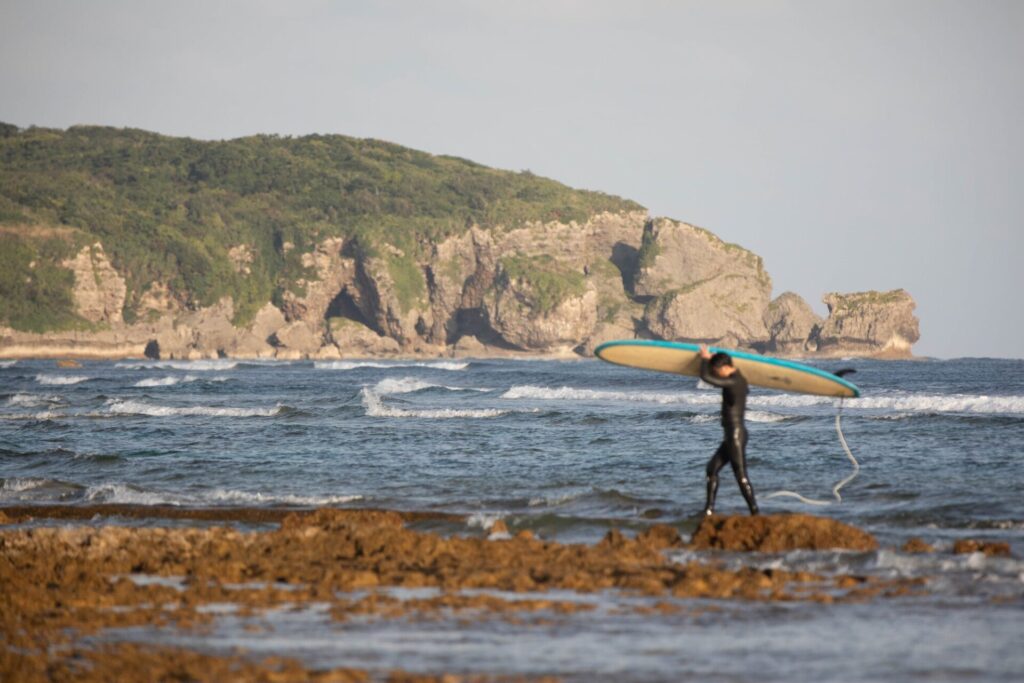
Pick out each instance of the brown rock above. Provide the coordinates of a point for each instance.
(966, 546)
(779, 533)
(917, 545)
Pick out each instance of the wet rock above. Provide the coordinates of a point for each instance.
(917, 545)
(779, 533)
(966, 546)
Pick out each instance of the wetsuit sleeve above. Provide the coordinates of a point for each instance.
(714, 380)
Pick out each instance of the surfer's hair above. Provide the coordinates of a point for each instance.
(719, 359)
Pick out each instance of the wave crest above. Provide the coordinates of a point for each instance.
(133, 407)
(376, 408)
(57, 380)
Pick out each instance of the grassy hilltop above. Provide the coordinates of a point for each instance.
(169, 209)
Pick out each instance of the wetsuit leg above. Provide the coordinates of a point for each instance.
(716, 463)
(737, 452)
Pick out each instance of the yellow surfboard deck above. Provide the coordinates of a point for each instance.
(762, 371)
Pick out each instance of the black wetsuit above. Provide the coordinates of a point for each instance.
(733, 448)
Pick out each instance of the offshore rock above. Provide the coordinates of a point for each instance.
(791, 322)
(701, 288)
(869, 323)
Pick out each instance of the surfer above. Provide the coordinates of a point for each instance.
(718, 370)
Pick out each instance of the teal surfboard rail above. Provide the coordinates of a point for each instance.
(754, 357)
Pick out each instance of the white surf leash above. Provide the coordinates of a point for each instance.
(840, 484)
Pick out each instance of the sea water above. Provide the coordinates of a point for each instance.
(570, 449)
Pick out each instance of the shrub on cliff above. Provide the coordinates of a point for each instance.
(170, 209)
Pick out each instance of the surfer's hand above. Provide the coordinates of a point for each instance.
(704, 353)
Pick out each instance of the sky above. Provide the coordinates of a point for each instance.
(853, 145)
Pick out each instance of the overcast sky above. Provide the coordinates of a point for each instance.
(854, 145)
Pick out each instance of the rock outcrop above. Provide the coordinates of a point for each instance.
(792, 325)
(701, 288)
(99, 290)
(548, 288)
(869, 323)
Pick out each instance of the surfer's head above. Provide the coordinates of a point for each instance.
(721, 364)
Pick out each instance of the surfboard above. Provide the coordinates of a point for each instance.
(684, 359)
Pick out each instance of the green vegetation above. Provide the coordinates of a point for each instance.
(169, 209)
(649, 249)
(410, 287)
(550, 282)
(849, 303)
(35, 291)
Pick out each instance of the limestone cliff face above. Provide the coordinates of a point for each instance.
(792, 325)
(701, 288)
(876, 323)
(548, 288)
(99, 290)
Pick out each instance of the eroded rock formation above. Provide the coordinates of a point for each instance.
(550, 288)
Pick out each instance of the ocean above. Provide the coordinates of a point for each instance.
(569, 450)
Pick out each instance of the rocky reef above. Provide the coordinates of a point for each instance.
(544, 287)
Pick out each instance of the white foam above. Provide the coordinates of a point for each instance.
(762, 416)
(7, 363)
(124, 493)
(353, 365)
(572, 394)
(375, 408)
(405, 385)
(229, 496)
(32, 400)
(19, 484)
(133, 407)
(194, 365)
(55, 380)
(554, 501)
(164, 381)
(907, 403)
(941, 403)
(483, 520)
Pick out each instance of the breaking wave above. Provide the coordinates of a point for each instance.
(407, 385)
(55, 380)
(7, 363)
(32, 400)
(126, 493)
(571, 394)
(40, 489)
(353, 365)
(133, 407)
(171, 380)
(905, 403)
(376, 408)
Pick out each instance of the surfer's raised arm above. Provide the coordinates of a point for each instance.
(722, 381)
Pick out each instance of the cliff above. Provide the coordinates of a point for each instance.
(124, 243)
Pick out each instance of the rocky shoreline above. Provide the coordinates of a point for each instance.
(551, 290)
(65, 586)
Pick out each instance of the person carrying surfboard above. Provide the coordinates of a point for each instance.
(718, 370)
